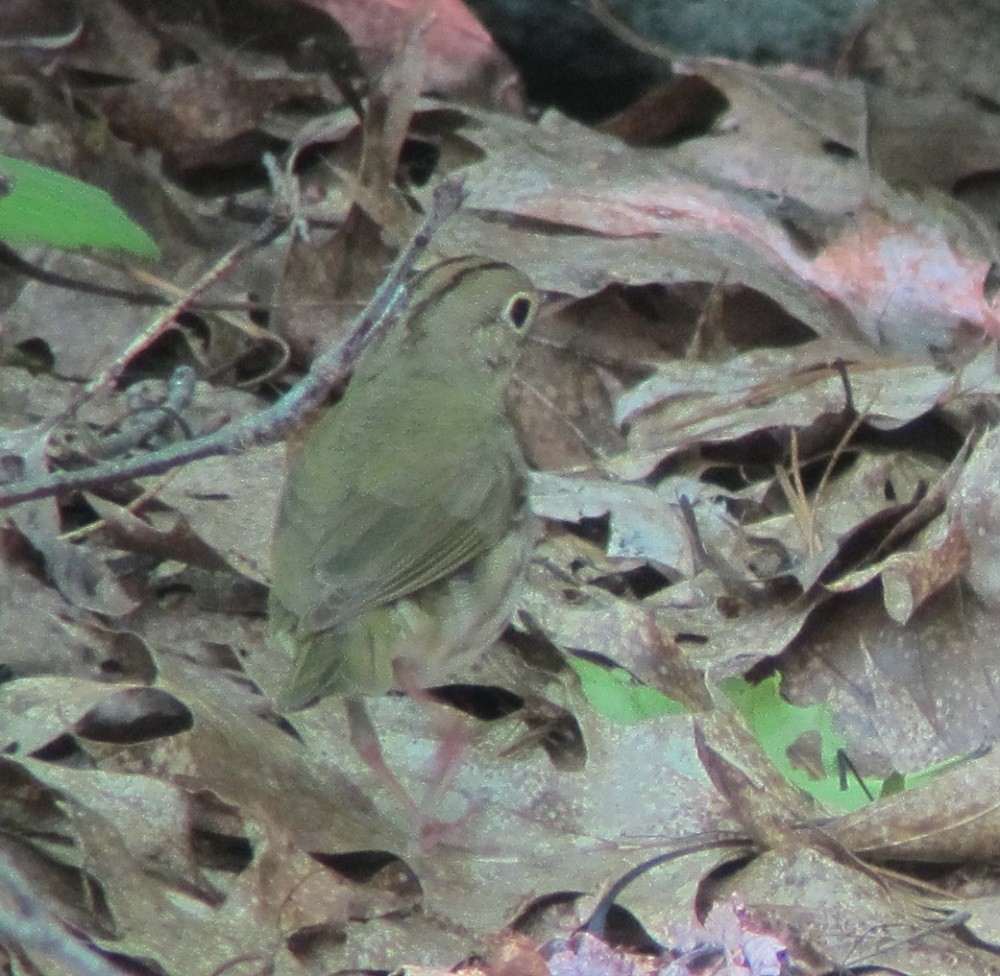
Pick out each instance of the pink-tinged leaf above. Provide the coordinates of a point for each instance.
(906, 283)
(461, 55)
(901, 271)
(906, 272)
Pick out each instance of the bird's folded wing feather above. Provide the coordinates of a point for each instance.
(400, 530)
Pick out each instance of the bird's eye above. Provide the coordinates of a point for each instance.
(519, 310)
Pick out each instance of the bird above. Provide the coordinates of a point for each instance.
(403, 526)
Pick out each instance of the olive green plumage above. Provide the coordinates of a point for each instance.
(403, 527)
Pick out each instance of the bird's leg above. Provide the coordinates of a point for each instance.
(451, 736)
(366, 744)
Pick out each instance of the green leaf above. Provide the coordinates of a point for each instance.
(41, 206)
(617, 696)
(778, 724)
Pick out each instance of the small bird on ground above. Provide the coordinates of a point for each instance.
(403, 526)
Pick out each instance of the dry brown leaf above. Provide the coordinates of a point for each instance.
(953, 817)
(569, 180)
(200, 115)
(916, 694)
(230, 503)
(975, 515)
(849, 918)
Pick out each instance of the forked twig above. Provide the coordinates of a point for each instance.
(273, 423)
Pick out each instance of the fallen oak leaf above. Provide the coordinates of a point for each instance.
(954, 817)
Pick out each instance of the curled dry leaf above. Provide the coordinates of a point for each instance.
(953, 817)
(974, 509)
(134, 715)
(639, 217)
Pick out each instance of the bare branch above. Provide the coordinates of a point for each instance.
(275, 422)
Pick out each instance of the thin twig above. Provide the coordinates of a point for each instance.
(275, 422)
(167, 319)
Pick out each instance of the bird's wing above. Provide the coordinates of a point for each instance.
(399, 528)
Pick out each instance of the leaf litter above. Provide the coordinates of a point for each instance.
(757, 408)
